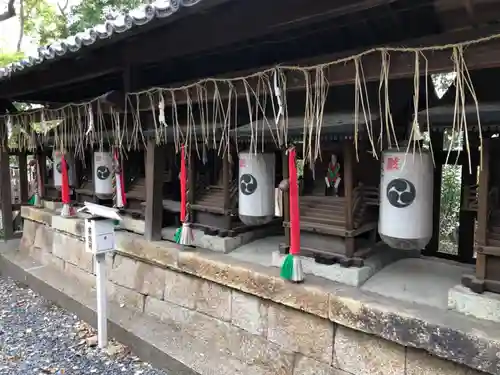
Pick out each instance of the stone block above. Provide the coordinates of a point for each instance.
(45, 258)
(125, 297)
(44, 238)
(257, 280)
(153, 280)
(86, 279)
(354, 276)
(137, 247)
(221, 244)
(300, 332)
(164, 310)
(249, 313)
(74, 226)
(181, 289)
(419, 362)
(51, 205)
(264, 356)
(483, 306)
(39, 215)
(308, 366)
(29, 231)
(214, 300)
(133, 225)
(362, 354)
(139, 276)
(73, 251)
(124, 271)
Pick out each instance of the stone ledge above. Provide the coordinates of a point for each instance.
(445, 334)
(74, 226)
(39, 215)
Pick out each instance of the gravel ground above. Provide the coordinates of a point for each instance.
(37, 337)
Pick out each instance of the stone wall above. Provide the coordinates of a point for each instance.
(236, 317)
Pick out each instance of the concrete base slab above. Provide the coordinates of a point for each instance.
(264, 251)
(419, 280)
(216, 243)
(483, 306)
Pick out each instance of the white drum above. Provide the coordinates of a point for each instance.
(256, 188)
(103, 169)
(406, 193)
(57, 171)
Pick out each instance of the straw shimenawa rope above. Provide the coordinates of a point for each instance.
(78, 125)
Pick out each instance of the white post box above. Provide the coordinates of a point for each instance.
(100, 235)
(99, 240)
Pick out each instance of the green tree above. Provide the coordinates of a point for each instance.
(9, 57)
(44, 22)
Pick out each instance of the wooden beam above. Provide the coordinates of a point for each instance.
(279, 15)
(479, 56)
(402, 66)
(154, 190)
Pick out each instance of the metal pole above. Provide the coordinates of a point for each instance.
(102, 318)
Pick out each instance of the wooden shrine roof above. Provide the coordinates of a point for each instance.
(123, 26)
(221, 36)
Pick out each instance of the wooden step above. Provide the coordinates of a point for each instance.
(318, 220)
(321, 214)
(323, 209)
(322, 199)
(211, 203)
(321, 228)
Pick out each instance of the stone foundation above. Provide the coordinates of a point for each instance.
(232, 317)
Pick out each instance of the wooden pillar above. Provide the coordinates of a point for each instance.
(286, 198)
(23, 178)
(191, 183)
(467, 217)
(225, 181)
(155, 162)
(482, 210)
(41, 159)
(348, 193)
(5, 191)
(437, 147)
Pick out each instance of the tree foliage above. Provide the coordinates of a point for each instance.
(44, 21)
(9, 57)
